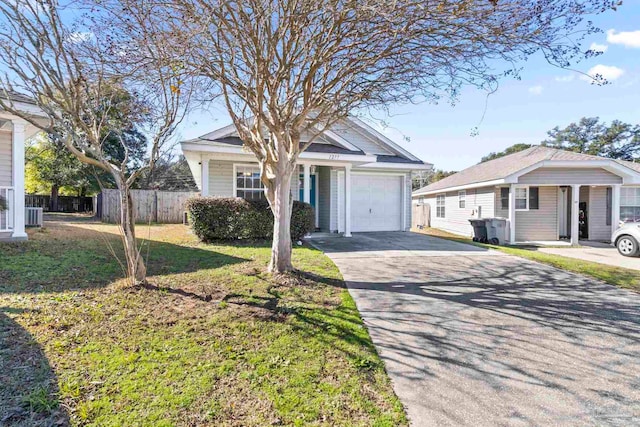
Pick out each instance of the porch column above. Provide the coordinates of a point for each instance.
(575, 215)
(512, 214)
(306, 194)
(18, 179)
(615, 206)
(347, 201)
(205, 177)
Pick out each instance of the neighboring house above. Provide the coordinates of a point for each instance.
(355, 178)
(13, 132)
(546, 194)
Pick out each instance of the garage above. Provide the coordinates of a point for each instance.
(376, 203)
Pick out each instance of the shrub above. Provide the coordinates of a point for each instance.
(221, 218)
(3, 204)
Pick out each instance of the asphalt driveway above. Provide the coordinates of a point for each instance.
(475, 337)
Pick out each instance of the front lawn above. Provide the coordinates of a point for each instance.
(621, 277)
(214, 341)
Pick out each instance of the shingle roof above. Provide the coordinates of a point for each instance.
(313, 148)
(17, 97)
(504, 166)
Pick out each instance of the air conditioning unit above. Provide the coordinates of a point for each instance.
(33, 217)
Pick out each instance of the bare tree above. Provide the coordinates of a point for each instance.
(286, 68)
(89, 96)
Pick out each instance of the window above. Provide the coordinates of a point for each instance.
(462, 195)
(248, 184)
(504, 197)
(630, 204)
(440, 206)
(534, 199)
(522, 198)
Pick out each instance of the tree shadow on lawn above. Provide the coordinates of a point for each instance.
(29, 394)
(71, 257)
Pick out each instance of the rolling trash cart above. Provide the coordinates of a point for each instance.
(479, 230)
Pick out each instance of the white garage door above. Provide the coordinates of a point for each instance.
(376, 203)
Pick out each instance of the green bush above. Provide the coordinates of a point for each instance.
(3, 204)
(221, 218)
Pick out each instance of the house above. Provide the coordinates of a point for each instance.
(546, 194)
(356, 178)
(13, 132)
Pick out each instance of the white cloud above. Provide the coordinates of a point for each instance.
(598, 47)
(565, 79)
(625, 38)
(607, 72)
(535, 90)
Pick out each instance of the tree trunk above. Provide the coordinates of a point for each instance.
(137, 271)
(53, 201)
(279, 196)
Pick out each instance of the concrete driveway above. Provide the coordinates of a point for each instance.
(596, 252)
(472, 337)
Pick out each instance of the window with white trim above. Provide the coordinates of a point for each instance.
(440, 206)
(522, 198)
(630, 204)
(462, 195)
(248, 183)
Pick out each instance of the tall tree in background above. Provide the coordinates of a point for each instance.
(510, 150)
(90, 93)
(590, 136)
(50, 166)
(429, 177)
(290, 68)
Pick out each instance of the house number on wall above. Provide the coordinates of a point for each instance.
(334, 156)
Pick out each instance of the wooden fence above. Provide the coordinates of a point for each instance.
(421, 216)
(165, 207)
(65, 203)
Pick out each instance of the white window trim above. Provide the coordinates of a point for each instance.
(235, 174)
(462, 197)
(444, 204)
(515, 197)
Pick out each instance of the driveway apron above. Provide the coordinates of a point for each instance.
(472, 337)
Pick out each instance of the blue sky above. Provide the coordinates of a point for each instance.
(522, 111)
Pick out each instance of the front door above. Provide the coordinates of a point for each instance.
(583, 221)
(313, 190)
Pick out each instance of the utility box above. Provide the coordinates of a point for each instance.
(496, 230)
(479, 230)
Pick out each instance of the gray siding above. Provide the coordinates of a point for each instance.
(597, 210)
(456, 219)
(542, 223)
(5, 159)
(359, 140)
(333, 220)
(568, 176)
(221, 179)
(324, 198)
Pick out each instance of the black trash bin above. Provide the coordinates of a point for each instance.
(479, 230)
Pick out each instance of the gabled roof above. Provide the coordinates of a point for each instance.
(332, 141)
(504, 167)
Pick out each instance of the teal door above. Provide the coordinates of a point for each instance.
(313, 189)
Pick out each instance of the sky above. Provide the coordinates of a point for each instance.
(521, 111)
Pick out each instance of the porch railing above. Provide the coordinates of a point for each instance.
(6, 216)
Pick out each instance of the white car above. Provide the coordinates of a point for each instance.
(626, 239)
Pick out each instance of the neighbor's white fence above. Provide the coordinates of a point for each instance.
(6, 217)
(420, 216)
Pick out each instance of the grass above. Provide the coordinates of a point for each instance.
(213, 341)
(617, 276)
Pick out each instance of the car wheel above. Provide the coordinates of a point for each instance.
(627, 246)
